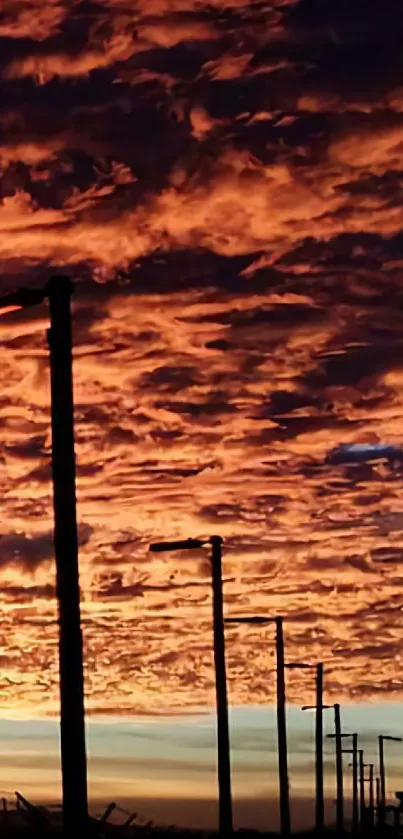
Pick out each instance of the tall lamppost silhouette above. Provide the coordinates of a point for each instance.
(382, 773)
(319, 707)
(339, 768)
(281, 709)
(58, 291)
(223, 743)
(257, 620)
(354, 753)
(284, 790)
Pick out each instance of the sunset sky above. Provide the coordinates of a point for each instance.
(224, 182)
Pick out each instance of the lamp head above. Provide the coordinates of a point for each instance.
(315, 707)
(177, 545)
(255, 619)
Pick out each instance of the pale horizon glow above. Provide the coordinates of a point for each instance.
(142, 762)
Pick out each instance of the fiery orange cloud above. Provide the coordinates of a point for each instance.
(225, 183)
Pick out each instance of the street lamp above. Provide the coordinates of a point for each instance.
(284, 791)
(382, 774)
(72, 723)
(319, 708)
(361, 784)
(354, 752)
(361, 780)
(223, 744)
(339, 768)
(370, 781)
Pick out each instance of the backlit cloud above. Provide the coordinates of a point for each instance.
(225, 183)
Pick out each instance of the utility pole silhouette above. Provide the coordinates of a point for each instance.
(72, 722)
(224, 764)
(377, 797)
(223, 742)
(354, 753)
(285, 818)
(382, 774)
(320, 799)
(73, 748)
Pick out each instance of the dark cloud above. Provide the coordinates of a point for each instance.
(26, 594)
(362, 453)
(29, 552)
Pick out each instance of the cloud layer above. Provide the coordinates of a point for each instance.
(225, 181)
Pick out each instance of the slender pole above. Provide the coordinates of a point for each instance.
(72, 725)
(355, 784)
(362, 789)
(382, 782)
(285, 820)
(320, 804)
(371, 795)
(339, 771)
(223, 743)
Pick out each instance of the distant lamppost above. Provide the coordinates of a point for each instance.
(284, 792)
(354, 753)
(366, 822)
(223, 743)
(371, 803)
(294, 665)
(361, 784)
(382, 774)
(319, 708)
(377, 796)
(339, 769)
(72, 723)
(361, 787)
